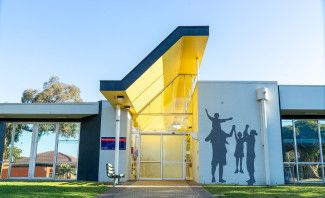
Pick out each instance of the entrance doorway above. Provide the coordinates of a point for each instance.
(162, 157)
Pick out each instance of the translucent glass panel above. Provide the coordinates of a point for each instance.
(288, 141)
(166, 122)
(68, 146)
(171, 99)
(21, 150)
(172, 148)
(172, 170)
(173, 156)
(150, 170)
(150, 148)
(171, 109)
(45, 154)
(150, 166)
(307, 140)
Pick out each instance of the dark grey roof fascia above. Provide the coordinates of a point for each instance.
(152, 57)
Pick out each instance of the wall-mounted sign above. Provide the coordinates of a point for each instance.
(108, 143)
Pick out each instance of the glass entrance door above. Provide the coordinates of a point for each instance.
(162, 157)
(150, 157)
(173, 157)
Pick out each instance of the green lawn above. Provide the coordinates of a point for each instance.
(50, 189)
(263, 191)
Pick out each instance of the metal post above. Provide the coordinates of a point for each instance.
(184, 156)
(11, 149)
(161, 156)
(320, 148)
(296, 149)
(139, 153)
(55, 159)
(32, 161)
(117, 139)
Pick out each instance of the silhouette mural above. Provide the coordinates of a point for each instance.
(250, 159)
(218, 140)
(239, 151)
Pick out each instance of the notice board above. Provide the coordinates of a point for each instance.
(108, 143)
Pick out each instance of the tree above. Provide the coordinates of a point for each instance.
(16, 153)
(53, 91)
(65, 171)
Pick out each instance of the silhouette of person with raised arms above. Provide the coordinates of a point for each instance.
(250, 154)
(218, 137)
(239, 151)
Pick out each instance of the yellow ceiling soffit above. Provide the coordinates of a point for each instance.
(165, 85)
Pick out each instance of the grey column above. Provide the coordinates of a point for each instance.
(2, 141)
(89, 145)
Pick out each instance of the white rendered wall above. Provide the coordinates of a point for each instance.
(108, 130)
(238, 100)
(302, 97)
(48, 110)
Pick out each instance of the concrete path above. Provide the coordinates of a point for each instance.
(157, 189)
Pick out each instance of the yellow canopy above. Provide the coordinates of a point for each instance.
(161, 91)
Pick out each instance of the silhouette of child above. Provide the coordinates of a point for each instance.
(239, 151)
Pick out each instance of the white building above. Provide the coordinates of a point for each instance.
(169, 126)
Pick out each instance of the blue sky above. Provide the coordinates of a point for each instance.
(83, 42)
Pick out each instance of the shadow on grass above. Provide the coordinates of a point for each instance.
(82, 183)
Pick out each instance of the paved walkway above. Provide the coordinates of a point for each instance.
(158, 189)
